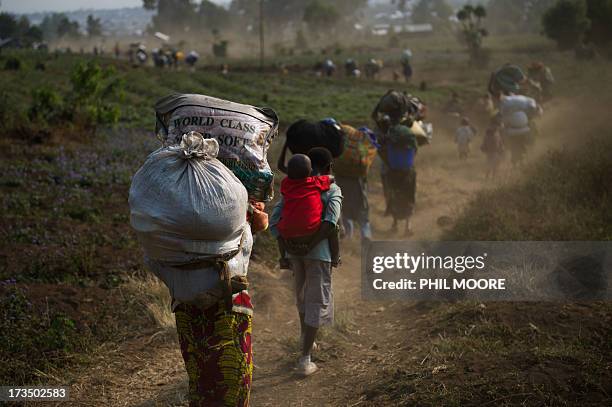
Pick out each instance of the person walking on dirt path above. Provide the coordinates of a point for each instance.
(399, 149)
(351, 172)
(406, 61)
(516, 111)
(463, 137)
(213, 316)
(518, 130)
(396, 115)
(543, 77)
(493, 147)
(312, 267)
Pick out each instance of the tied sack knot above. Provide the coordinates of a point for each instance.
(193, 144)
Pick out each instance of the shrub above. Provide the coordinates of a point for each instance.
(12, 64)
(95, 94)
(46, 107)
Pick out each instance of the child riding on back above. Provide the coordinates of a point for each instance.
(303, 208)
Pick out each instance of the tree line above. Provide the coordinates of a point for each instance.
(54, 26)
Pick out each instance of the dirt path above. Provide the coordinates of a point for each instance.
(148, 370)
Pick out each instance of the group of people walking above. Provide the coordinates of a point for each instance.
(512, 105)
(330, 162)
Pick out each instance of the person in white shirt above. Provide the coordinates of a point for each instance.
(463, 136)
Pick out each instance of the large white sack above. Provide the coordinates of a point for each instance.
(515, 111)
(185, 204)
(244, 134)
(515, 103)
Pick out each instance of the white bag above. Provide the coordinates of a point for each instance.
(185, 205)
(244, 134)
(515, 111)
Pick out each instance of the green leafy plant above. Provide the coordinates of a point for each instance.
(472, 31)
(46, 107)
(95, 94)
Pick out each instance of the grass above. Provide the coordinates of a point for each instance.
(563, 197)
(501, 351)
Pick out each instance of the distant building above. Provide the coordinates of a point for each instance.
(402, 29)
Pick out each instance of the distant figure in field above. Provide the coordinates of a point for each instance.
(192, 58)
(454, 105)
(406, 61)
(493, 147)
(372, 68)
(351, 68)
(117, 50)
(328, 68)
(463, 137)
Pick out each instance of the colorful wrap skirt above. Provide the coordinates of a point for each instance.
(401, 185)
(216, 347)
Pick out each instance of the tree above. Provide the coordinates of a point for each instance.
(49, 25)
(566, 22)
(8, 25)
(173, 15)
(213, 16)
(20, 29)
(472, 31)
(431, 11)
(320, 17)
(600, 14)
(94, 26)
(67, 28)
(33, 34)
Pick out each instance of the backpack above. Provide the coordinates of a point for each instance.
(359, 154)
(304, 135)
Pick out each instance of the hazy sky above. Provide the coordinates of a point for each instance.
(30, 6)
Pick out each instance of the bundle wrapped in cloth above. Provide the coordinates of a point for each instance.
(243, 132)
(186, 206)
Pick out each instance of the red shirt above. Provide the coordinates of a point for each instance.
(303, 207)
